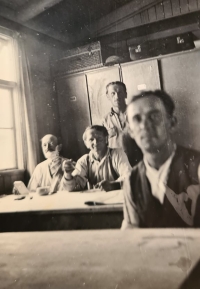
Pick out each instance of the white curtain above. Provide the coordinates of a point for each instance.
(30, 143)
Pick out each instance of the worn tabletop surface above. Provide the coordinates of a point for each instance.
(98, 259)
(63, 200)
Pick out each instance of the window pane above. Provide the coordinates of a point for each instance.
(6, 117)
(7, 149)
(7, 67)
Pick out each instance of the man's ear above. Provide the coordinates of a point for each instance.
(59, 147)
(86, 144)
(107, 95)
(173, 123)
(130, 131)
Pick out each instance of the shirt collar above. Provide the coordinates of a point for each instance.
(158, 178)
(112, 112)
(164, 166)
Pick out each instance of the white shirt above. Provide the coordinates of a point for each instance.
(96, 171)
(158, 178)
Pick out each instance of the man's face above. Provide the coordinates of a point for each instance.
(117, 95)
(49, 144)
(149, 123)
(96, 141)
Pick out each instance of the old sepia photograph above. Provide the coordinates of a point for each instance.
(100, 144)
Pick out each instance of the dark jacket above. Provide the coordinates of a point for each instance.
(151, 213)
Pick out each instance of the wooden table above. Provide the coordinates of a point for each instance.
(61, 211)
(110, 259)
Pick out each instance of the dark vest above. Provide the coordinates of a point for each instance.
(183, 173)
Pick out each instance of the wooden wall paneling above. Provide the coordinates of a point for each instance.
(152, 14)
(137, 20)
(7, 183)
(167, 6)
(175, 7)
(1, 184)
(141, 76)
(159, 11)
(184, 6)
(74, 114)
(192, 5)
(144, 17)
(97, 81)
(180, 78)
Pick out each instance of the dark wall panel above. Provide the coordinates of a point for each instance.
(39, 54)
(74, 114)
(180, 78)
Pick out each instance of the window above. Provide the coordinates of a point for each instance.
(9, 108)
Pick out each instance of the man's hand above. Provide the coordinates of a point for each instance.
(107, 186)
(68, 166)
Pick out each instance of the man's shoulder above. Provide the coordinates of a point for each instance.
(137, 171)
(41, 166)
(83, 159)
(116, 150)
(107, 117)
(187, 153)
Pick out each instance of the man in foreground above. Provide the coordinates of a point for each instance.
(163, 189)
(103, 168)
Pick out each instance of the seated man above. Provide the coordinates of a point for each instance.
(49, 172)
(103, 167)
(163, 189)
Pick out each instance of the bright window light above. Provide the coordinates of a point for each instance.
(9, 112)
(7, 131)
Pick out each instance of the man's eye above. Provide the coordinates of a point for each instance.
(137, 118)
(155, 116)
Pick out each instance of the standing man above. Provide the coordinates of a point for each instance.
(115, 122)
(163, 189)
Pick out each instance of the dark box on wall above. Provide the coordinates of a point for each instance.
(162, 46)
(82, 58)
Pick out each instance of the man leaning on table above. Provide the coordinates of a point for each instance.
(103, 168)
(163, 189)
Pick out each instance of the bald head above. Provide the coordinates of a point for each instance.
(49, 144)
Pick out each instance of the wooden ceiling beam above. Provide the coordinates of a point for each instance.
(34, 8)
(150, 28)
(126, 11)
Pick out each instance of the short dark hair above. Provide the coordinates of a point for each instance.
(116, 83)
(99, 128)
(160, 94)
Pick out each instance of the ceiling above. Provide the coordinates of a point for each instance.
(58, 18)
(71, 21)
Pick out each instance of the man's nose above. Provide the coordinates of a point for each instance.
(95, 141)
(144, 123)
(48, 146)
(116, 96)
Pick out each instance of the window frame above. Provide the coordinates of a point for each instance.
(14, 87)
